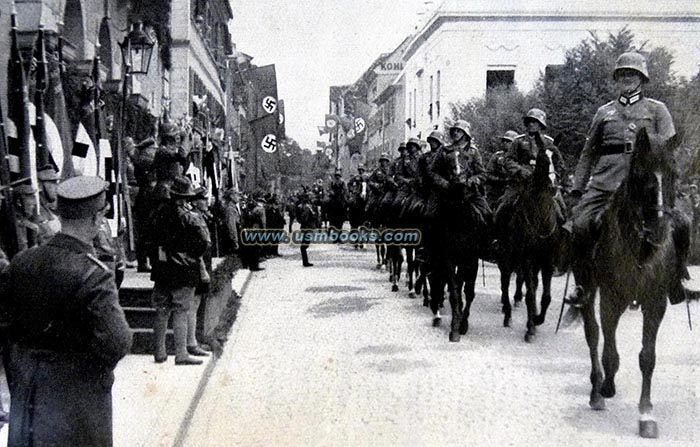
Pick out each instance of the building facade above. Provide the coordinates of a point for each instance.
(465, 47)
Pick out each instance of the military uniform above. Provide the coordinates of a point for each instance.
(307, 218)
(65, 332)
(357, 194)
(337, 202)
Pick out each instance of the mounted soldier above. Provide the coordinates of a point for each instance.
(604, 163)
(337, 200)
(496, 172)
(357, 198)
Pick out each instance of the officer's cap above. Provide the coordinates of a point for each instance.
(81, 197)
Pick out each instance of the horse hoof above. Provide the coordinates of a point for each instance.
(516, 303)
(426, 303)
(379, 266)
(597, 403)
(437, 321)
(608, 389)
(538, 320)
(394, 288)
(648, 429)
(454, 337)
(411, 294)
(529, 337)
(506, 322)
(464, 327)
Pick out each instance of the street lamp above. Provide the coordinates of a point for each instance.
(137, 49)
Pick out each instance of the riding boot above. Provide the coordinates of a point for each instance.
(681, 241)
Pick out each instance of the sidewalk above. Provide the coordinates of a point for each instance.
(151, 400)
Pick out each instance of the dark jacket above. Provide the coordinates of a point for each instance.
(520, 159)
(183, 239)
(66, 332)
(454, 166)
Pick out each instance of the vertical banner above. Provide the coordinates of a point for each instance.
(264, 123)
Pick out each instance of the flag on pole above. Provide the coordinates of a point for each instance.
(20, 155)
(43, 156)
(59, 132)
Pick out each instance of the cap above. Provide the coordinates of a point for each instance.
(182, 188)
(80, 197)
(201, 192)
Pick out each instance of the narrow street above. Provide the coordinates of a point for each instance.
(329, 356)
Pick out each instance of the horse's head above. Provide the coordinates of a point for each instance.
(648, 194)
(652, 173)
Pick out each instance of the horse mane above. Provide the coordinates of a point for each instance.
(636, 213)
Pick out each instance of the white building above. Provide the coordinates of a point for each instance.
(467, 45)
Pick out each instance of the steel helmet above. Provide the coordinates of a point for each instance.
(437, 136)
(361, 167)
(464, 126)
(537, 115)
(169, 129)
(632, 61)
(509, 135)
(415, 142)
(384, 156)
(402, 146)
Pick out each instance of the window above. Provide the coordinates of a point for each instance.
(430, 105)
(437, 94)
(499, 78)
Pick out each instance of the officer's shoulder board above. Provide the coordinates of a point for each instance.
(521, 136)
(656, 102)
(97, 262)
(548, 138)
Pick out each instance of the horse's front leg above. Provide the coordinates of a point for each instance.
(410, 266)
(530, 273)
(653, 311)
(610, 312)
(546, 271)
(591, 329)
(467, 273)
(506, 271)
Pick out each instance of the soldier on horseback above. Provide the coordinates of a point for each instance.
(337, 202)
(357, 199)
(457, 175)
(603, 165)
(496, 172)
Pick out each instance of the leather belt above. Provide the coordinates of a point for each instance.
(613, 149)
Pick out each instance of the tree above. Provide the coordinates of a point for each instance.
(584, 82)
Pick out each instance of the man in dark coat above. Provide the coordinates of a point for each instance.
(253, 218)
(306, 215)
(182, 241)
(337, 200)
(357, 199)
(65, 330)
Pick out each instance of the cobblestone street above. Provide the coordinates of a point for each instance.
(329, 356)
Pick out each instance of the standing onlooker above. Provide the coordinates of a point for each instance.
(253, 219)
(306, 215)
(65, 329)
(231, 220)
(200, 205)
(183, 239)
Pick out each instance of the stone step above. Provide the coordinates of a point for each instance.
(141, 317)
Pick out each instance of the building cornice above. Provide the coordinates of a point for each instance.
(443, 17)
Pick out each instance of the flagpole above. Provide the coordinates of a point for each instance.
(9, 235)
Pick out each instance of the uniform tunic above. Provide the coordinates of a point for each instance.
(614, 125)
(66, 332)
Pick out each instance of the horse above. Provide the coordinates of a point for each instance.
(456, 256)
(532, 236)
(627, 267)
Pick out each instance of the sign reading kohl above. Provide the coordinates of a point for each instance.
(388, 68)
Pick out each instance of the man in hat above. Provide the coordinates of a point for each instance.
(603, 164)
(337, 203)
(182, 240)
(143, 158)
(200, 205)
(49, 224)
(318, 199)
(65, 329)
(379, 181)
(231, 219)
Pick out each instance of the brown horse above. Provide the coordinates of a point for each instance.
(629, 265)
(532, 236)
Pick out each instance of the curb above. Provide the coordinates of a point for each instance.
(206, 375)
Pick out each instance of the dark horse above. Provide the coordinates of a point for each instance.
(532, 236)
(627, 268)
